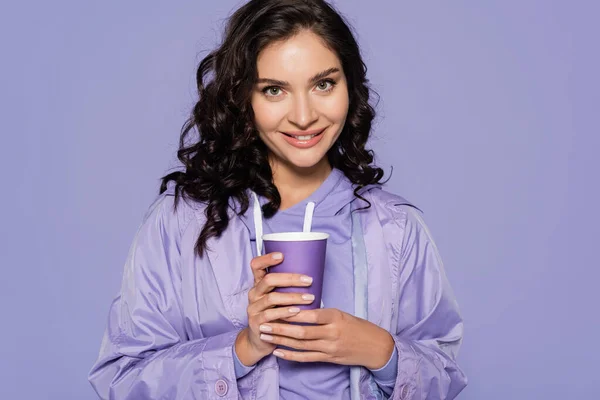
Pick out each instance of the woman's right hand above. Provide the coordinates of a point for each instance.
(265, 305)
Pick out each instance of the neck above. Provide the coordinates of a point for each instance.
(296, 184)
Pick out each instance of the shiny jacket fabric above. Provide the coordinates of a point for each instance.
(171, 329)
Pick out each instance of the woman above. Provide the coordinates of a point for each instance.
(284, 117)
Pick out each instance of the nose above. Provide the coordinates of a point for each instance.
(302, 114)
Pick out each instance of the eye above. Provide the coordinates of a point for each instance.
(326, 85)
(272, 91)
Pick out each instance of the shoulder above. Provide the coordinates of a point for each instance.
(401, 218)
(170, 215)
(389, 203)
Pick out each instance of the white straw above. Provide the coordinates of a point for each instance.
(308, 215)
(258, 228)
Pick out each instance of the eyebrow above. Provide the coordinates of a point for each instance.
(314, 79)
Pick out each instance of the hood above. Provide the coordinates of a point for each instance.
(331, 204)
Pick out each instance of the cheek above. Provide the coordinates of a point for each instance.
(267, 115)
(337, 109)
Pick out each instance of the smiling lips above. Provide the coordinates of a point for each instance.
(304, 139)
(304, 135)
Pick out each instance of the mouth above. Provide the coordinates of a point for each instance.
(305, 136)
(304, 139)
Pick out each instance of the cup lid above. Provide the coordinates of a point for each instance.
(295, 236)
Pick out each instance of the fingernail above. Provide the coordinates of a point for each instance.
(265, 328)
(277, 256)
(308, 297)
(268, 338)
(294, 310)
(306, 279)
(278, 353)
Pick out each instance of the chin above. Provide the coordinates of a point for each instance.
(307, 161)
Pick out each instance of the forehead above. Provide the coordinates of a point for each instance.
(297, 58)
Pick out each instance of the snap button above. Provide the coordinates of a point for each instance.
(404, 392)
(221, 387)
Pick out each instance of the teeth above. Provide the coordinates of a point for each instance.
(307, 137)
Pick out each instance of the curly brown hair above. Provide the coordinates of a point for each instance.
(228, 157)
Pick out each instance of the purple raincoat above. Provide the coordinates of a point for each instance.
(172, 328)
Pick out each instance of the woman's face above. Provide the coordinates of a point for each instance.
(301, 92)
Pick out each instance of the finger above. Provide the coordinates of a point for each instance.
(296, 331)
(273, 314)
(259, 264)
(320, 316)
(274, 279)
(318, 345)
(303, 356)
(276, 299)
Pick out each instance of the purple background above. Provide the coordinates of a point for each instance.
(489, 115)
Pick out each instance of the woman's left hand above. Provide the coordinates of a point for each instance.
(337, 337)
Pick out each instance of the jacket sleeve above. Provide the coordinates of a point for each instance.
(429, 327)
(145, 352)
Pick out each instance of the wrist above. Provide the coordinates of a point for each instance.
(246, 353)
(383, 349)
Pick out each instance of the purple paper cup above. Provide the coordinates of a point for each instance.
(303, 253)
